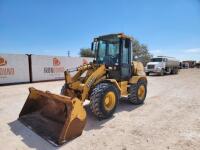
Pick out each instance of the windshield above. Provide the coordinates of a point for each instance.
(156, 60)
(108, 52)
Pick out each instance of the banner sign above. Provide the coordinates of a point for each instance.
(46, 68)
(14, 68)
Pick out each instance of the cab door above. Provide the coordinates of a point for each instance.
(125, 59)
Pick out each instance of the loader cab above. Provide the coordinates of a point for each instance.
(114, 51)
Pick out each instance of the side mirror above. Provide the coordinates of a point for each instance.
(92, 46)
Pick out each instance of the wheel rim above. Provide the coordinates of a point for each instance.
(141, 92)
(109, 101)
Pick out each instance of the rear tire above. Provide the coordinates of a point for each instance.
(98, 99)
(177, 70)
(134, 97)
(147, 73)
(173, 71)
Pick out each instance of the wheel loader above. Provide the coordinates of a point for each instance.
(112, 75)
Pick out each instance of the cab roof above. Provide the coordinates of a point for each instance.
(112, 36)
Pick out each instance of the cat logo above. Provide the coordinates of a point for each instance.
(3, 62)
(56, 62)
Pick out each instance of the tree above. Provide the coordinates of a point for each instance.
(141, 52)
(86, 52)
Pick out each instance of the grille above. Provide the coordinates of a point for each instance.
(150, 66)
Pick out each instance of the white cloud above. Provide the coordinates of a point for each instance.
(193, 51)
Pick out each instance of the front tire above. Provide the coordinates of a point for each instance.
(103, 100)
(137, 92)
(162, 72)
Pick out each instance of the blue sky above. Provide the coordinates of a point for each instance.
(167, 27)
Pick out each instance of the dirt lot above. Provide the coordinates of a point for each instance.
(169, 119)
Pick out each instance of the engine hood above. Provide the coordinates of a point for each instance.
(157, 64)
(154, 63)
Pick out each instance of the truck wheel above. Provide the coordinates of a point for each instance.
(162, 72)
(147, 73)
(137, 92)
(103, 100)
(173, 71)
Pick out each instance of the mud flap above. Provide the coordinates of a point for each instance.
(56, 118)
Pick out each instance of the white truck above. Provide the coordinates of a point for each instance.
(162, 65)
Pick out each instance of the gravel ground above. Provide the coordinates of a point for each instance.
(169, 119)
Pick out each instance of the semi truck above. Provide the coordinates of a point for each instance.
(162, 65)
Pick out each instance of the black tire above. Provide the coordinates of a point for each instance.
(97, 97)
(162, 72)
(147, 73)
(173, 71)
(133, 92)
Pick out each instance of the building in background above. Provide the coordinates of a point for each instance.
(190, 62)
(197, 65)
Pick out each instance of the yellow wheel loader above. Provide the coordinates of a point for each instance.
(112, 75)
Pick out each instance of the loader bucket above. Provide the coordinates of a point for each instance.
(56, 118)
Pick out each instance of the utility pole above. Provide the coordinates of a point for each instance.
(68, 53)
